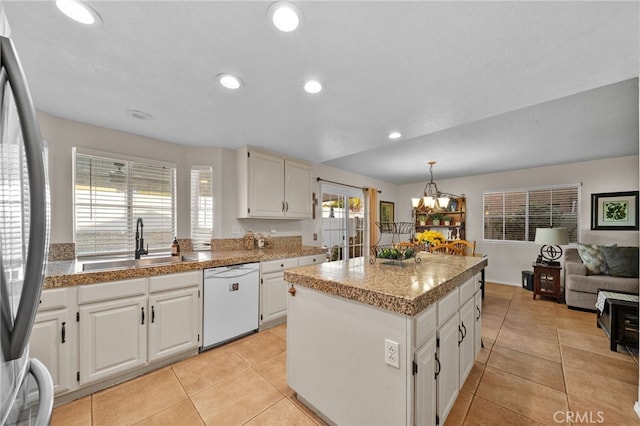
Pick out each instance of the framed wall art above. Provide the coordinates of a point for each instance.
(386, 211)
(614, 211)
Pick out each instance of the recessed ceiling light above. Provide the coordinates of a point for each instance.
(395, 135)
(285, 16)
(230, 81)
(313, 86)
(140, 115)
(78, 11)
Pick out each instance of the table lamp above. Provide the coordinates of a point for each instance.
(551, 240)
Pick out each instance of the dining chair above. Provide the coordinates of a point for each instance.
(463, 245)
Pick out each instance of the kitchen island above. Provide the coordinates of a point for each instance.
(383, 343)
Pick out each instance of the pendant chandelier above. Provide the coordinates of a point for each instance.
(432, 199)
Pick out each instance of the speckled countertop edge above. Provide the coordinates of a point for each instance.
(394, 296)
(69, 273)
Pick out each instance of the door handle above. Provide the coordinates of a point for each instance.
(64, 332)
(461, 335)
(142, 315)
(464, 331)
(479, 313)
(439, 367)
(153, 314)
(286, 204)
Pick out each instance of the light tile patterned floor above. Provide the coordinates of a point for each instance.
(541, 364)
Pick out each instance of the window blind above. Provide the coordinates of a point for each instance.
(201, 207)
(111, 194)
(515, 215)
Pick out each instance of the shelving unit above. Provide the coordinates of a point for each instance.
(457, 210)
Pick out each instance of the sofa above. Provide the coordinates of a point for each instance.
(598, 267)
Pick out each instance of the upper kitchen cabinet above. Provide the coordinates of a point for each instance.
(271, 186)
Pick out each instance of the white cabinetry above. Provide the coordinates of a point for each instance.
(174, 325)
(124, 325)
(273, 287)
(454, 349)
(113, 328)
(273, 290)
(270, 186)
(54, 337)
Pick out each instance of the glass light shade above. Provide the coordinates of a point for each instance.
(443, 202)
(415, 202)
(429, 201)
(552, 236)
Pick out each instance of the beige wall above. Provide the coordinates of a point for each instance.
(63, 135)
(508, 259)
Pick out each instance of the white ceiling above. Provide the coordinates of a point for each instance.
(478, 86)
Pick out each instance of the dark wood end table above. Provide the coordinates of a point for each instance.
(546, 281)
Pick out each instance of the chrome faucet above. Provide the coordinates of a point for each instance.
(140, 250)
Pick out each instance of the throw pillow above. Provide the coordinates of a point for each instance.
(593, 258)
(622, 261)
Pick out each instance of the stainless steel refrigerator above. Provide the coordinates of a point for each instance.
(26, 388)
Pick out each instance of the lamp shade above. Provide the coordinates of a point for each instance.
(552, 236)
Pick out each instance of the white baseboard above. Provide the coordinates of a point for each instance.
(636, 408)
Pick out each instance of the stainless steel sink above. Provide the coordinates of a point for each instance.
(132, 263)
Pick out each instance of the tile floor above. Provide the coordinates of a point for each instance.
(542, 363)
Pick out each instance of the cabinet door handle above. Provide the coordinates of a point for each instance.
(479, 313)
(439, 367)
(283, 206)
(464, 331)
(142, 315)
(461, 336)
(64, 332)
(286, 205)
(153, 314)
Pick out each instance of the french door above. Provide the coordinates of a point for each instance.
(343, 221)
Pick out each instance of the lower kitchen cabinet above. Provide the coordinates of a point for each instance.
(273, 288)
(173, 326)
(88, 334)
(427, 369)
(467, 339)
(54, 339)
(113, 337)
(449, 366)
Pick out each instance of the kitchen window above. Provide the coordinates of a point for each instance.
(201, 207)
(514, 215)
(111, 193)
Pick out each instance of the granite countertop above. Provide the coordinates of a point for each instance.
(67, 273)
(408, 288)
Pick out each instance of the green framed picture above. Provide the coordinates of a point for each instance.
(386, 211)
(614, 211)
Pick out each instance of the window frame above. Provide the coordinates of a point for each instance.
(529, 234)
(131, 220)
(198, 242)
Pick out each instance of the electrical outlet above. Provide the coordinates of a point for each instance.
(236, 229)
(391, 353)
(273, 230)
(315, 237)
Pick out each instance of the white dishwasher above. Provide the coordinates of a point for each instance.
(230, 303)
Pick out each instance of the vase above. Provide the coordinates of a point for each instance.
(436, 222)
(423, 223)
(447, 222)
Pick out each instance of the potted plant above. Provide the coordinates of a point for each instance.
(436, 218)
(447, 220)
(422, 218)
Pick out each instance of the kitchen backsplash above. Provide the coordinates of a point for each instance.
(62, 251)
(281, 243)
